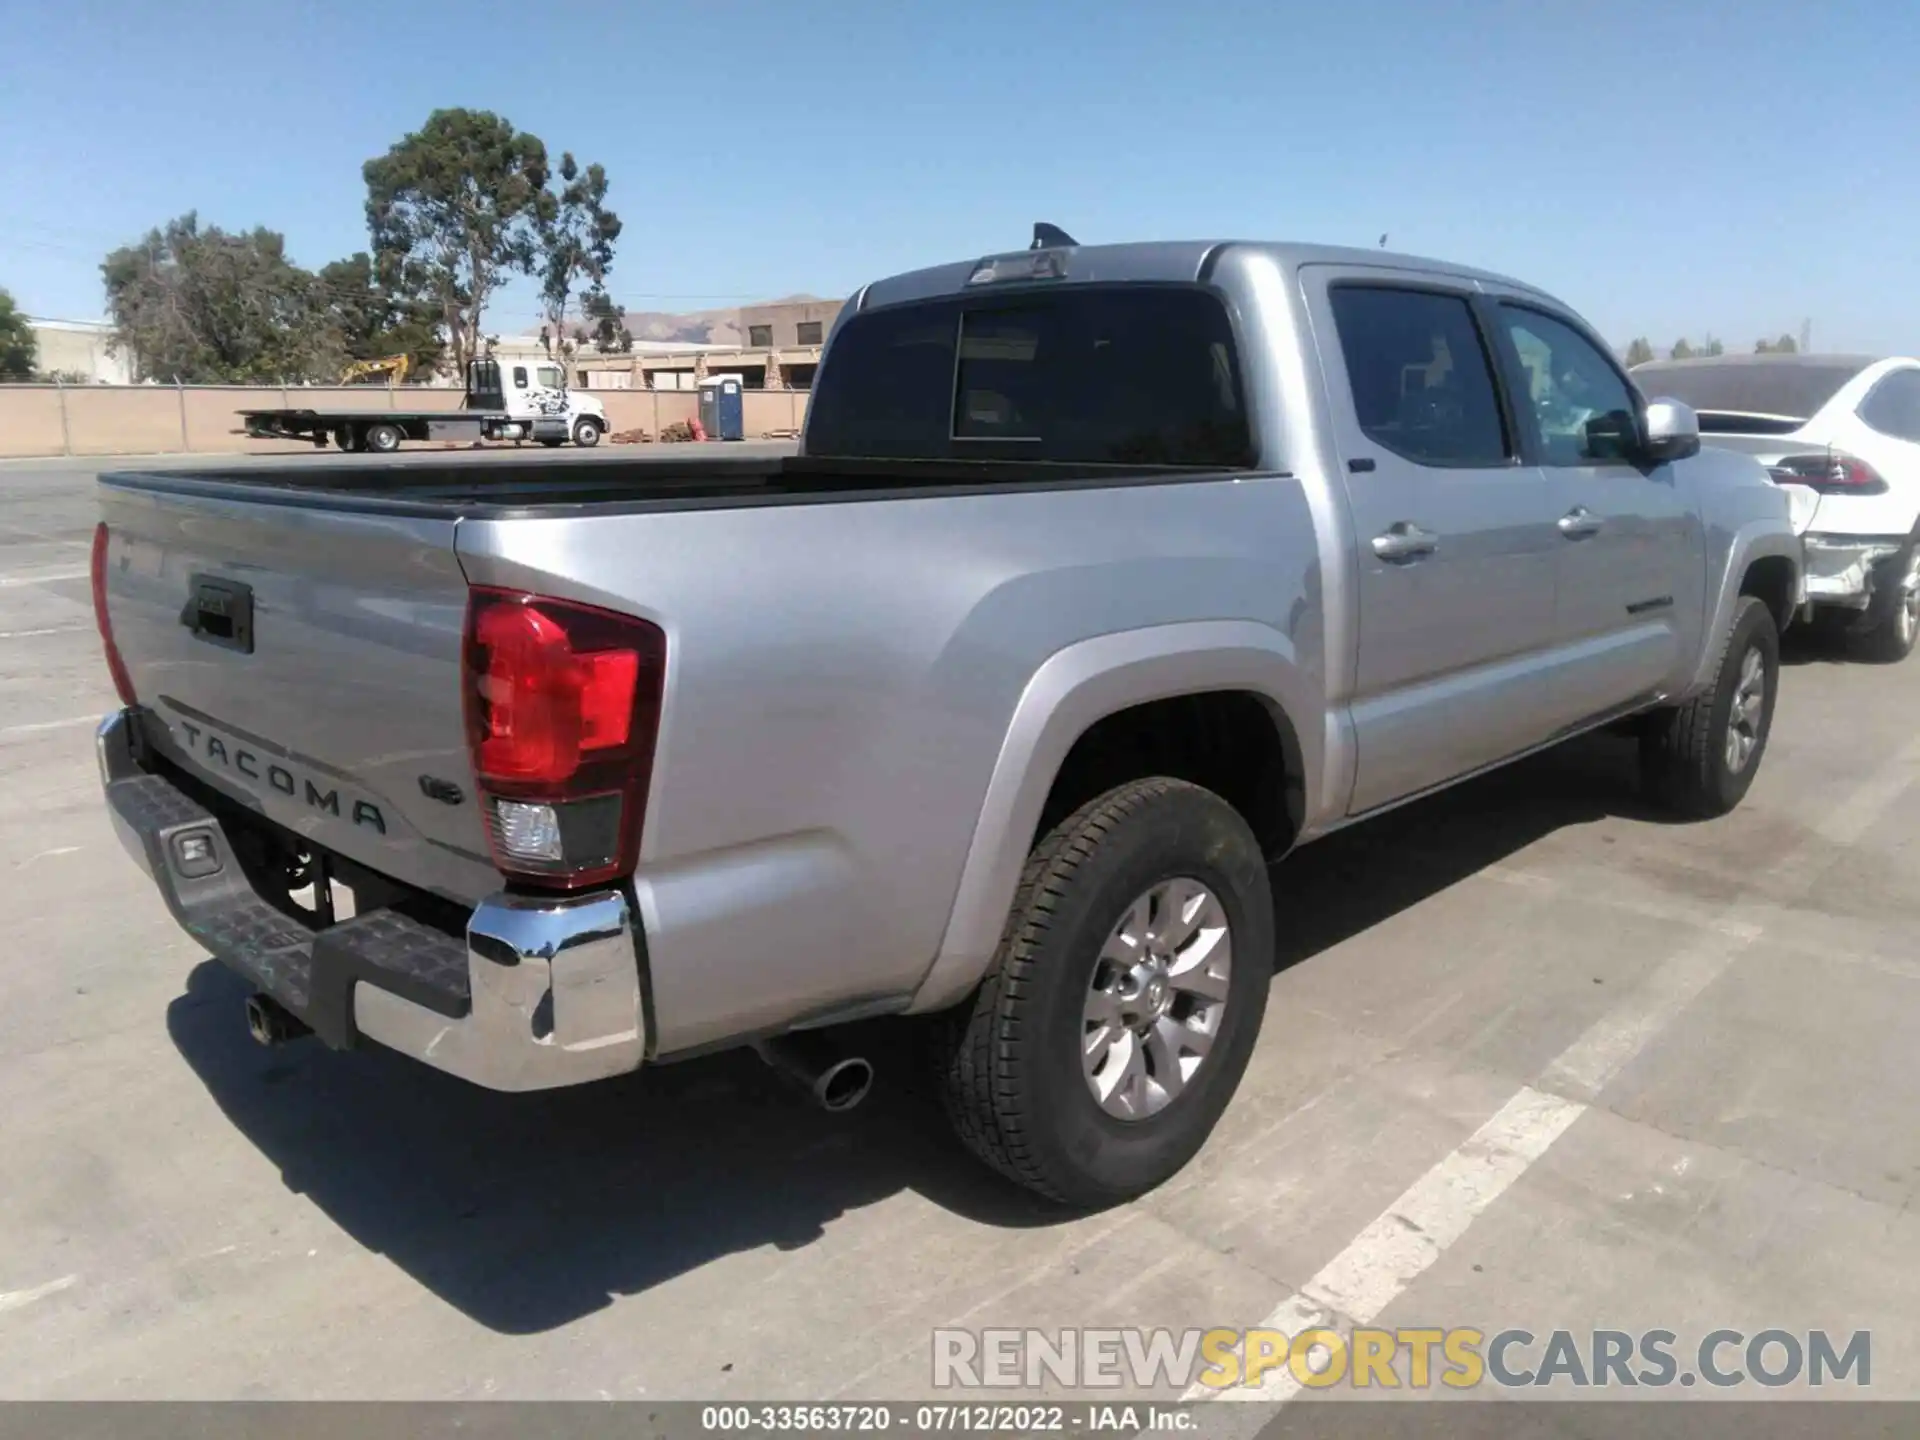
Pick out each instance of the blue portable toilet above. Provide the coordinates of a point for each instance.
(722, 412)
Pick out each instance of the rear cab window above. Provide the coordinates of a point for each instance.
(1091, 375)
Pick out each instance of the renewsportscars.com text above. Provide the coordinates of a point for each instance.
(1418, 1358)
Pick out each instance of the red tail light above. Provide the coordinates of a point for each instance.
(122, 682)
(1833, 472)
(563, 708)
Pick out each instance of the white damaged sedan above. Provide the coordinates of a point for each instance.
(1844, 429)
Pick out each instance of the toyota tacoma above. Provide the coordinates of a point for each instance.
(1103, 577)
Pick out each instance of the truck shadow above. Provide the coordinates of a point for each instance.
(1815, 645)
(1349, 882)
(527, 1212)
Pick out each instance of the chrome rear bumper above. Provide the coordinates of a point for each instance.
(541, 992)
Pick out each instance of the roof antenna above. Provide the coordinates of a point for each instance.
(1047, 237)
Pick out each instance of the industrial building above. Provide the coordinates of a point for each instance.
(78, 352)
(779, 350)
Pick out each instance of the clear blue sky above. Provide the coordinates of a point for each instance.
(1667, 168)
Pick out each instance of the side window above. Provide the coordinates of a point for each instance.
(519, 377)
(1893, 405)
(1422, 383)
(1582, 405)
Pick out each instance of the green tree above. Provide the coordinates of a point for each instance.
(1639, 352)
(1714, 347)
(577, 232)
(608, 325)
(1681, 350)
(457, 204)
(17, 345)
(1785, 346)
(371, 317)
(205, 306)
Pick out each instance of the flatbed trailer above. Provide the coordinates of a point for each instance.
(532, 409)
(385, 430)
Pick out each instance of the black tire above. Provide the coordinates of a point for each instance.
(349, 439)
(383, 439)
(1894, 618)
(586, 433)
(1008, 1060)
(1684, 753)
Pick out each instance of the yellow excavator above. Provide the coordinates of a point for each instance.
(394, 367)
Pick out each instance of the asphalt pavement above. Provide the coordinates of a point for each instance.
(1535, 1059)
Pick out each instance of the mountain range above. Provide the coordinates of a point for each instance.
(698, 327)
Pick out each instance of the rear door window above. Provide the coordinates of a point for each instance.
(1129, 375)
(1421, 378)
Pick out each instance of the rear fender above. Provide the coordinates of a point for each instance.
(1075, 688)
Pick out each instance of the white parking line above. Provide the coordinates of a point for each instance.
(1414, 1231)
(8, 582)
(19, 1299)
(50, 630)
(1583, 1069)
(16, 528)
(39, 725)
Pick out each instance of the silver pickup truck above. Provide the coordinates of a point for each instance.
(1104, 577)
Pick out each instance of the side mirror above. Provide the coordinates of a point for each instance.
(1672, 431)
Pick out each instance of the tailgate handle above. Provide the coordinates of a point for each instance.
(220, 612)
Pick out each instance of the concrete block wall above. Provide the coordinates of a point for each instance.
(38, 420)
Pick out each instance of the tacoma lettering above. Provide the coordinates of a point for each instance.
(248, 764)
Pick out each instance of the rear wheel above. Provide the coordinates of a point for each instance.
(383, 438)
(1120, 1011)
(586, 432)
(1895, 622)
(1700, 758)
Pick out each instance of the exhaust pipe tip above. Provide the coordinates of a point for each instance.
(844, 1085)
(269, 1022)
(259, 1025)
(832, 1079)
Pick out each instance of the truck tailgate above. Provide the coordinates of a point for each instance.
(306, 661)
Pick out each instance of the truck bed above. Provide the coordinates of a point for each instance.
(511, 489)
(847, 642)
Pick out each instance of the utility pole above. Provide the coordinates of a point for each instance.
(1806, 335)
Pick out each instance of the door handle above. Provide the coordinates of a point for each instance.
(1404, 540)
(1579, 523)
